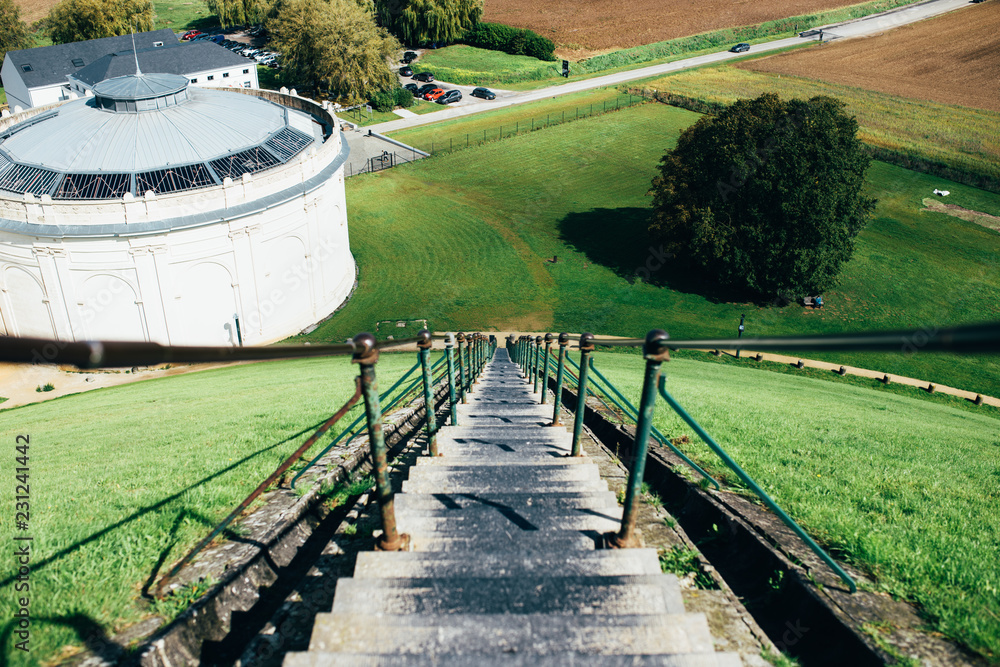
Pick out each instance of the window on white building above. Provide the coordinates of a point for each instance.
(194, 80)
(225, 75)
(211, 77)
(246, 71)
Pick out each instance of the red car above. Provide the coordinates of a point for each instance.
(432, 95)
(190, 34)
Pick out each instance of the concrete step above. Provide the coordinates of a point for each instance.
(477, 634)
(533, 498)
(566, 472)
(600, 562)
(659, 594)
(324, 659)
(479, 486)
(457, 523)
(504, 458)
(533, 541)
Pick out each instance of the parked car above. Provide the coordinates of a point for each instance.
(412, 87)
(405, 71)
(218, 39)
(484, 93)
(426, 88)
(190, 34)
(426, 77)
(740, 48)
(449, 97)
(409, 57)
(432, 95)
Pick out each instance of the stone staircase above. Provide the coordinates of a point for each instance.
(503, 567)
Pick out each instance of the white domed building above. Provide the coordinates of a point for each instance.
(155, 211)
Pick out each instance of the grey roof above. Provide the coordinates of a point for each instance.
(140, 87)
(82, 138)
(52, 64)
(188, 59)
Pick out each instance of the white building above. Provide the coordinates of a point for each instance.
(158, 211)
(47, 74)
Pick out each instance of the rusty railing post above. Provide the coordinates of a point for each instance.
(563, 342)
(537, 365)
(430, 419)
(586, 347)
(461, 364)
(545, 369)
(449, 349)
(366, 356)
(655, 352)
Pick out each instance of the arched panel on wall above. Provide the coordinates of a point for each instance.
(26, 312)
(109, 310)
(207, 306)
(286, 297)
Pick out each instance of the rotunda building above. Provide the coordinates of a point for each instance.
(155, 211)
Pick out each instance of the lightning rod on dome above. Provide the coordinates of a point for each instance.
(138, 72)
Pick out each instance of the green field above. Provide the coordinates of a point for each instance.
(904, 489)
(121, 478)
(472, 66)
(492, 215)
(181, 16)
(957, 136)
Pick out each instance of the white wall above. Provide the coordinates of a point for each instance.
(13, 85)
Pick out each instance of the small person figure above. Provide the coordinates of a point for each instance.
(819, 302)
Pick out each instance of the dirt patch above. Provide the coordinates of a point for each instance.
(604, 25)
(951, 59)
(985, 219)
(33, 10)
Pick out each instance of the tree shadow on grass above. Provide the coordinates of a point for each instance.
(617, 239)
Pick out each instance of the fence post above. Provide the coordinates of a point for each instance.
(655, 352)
(430, 419)
(545, 368)
(561, 364)
(586, 347)
(461, 364)
(366, 357)
(449, 349)
(536, 376)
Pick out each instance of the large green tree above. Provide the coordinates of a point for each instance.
(766, 197)
(333, 44)
(418, 22)
(14, 33)
(239, 12)
(79, 20)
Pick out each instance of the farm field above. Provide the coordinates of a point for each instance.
(853, 476)
(124, 476)
(580, 30)
(476, 227)
(958, 136)
(950, 59)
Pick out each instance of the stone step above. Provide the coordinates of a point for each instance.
(600, 562)
(505, 458)
(533, 498)
(567, 472)
(325, 659)
(533, 541)
(457, 523)
(659, 594)
(480, 486)
(477, 634)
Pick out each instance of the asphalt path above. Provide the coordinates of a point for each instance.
(871, 25)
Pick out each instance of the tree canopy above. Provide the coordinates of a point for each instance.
(79, 20)
(14, 33)
(333, 44)
(239, 12)
(766, 197)
(417, 22)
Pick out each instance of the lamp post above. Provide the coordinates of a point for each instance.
(739, 334)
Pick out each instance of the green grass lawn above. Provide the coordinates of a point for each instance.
(124, 476)
(492, 215)
(181, 16)
(902, 488)
(469, 65)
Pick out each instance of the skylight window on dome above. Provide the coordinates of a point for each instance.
(175, 179)
(288, 143)
(245, 162)
(94, 186)
(23, 178)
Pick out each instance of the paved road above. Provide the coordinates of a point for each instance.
(867, 26)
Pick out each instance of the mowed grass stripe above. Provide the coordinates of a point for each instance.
(106, 465)
(905, 489)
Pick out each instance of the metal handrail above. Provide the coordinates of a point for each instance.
(735, 467)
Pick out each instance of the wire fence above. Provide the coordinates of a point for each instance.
(387, 160)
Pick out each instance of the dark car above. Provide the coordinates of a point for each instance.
(740, 48)
(484, 93)
(412, 87)
(409, 57)
(426, 77)
(405, 71)
(426, 88)
(449, 97)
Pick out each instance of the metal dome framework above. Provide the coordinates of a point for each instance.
(138, 95)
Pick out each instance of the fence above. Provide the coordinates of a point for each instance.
(445, 144)
(387, 160)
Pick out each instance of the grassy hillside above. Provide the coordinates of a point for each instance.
(462, 239)
(889, 483)
(121, 478)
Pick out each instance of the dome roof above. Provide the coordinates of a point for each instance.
(149, 132)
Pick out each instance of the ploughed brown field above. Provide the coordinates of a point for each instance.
(951, 59)
(590, 26)
(33, 10)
